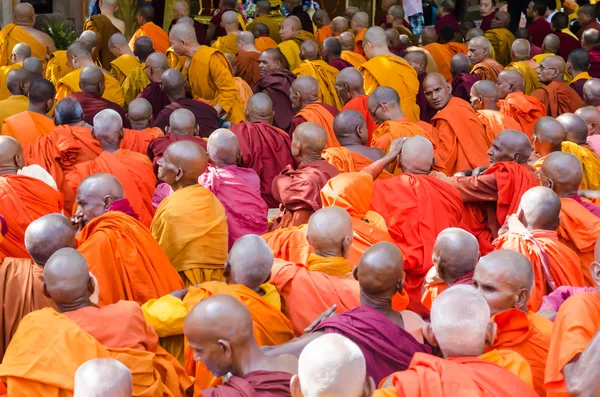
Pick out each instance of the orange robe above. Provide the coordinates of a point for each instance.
(554, 264)
(428, 206)
(353, 58)
(139, 140)
(346, 160)
(577, 322)
(488, 69)
(127, 261)
(264, 43)
(459, 137)
(27, 126)
(12, 106)
(133, 170)
(359, 103)
(389, 131)
(315, 113)
(558, 98)
(325, 75)
(442, 55)
(226, 44)
(11, 35)
(160, 38)
(525, 109)
(457, 48)
(244, 90)
(495, 122)
(322, 33)
(358, 41)
(517, 333)
(246, 63)
(23, 200)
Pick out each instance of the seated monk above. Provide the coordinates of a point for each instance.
(462, 79)
(323, 23)
(79, 57)
(297, 189)
(483, 64)
(348, 54)
(125, 60)
(591, 115)
(321, 71)
(359, 25)
(501, 38)
(24, 198)
(249, 368)
(291, 40)
(159, 37)
(578, 64)
(460, 141)
(548, 136)
(556, 95)
(103, 374)
(18, 82)
(246, 59)
(579, 220)
(22, 31)
(568, 41)
(243, 88)
(137, 78)
(384, 106)
(238, 189)
(247, 271)
(228, 43)
(137, 269)
(461, 327)
(173, 86)
(263, 17)
(349, 84)
(511, 273)
(550, 47)
(262, 32)
(209, 74)
(276, 81)
(105, 25)
(532, 232)
(418, 60)
(90, 39)
(265, 148)
(494, 195)
(440, 53)
(20, 52)
(132, 169)
(57, 67)
(513, 102)
(27, 126)
(396, 18)
(326, 278)
(425, 194)
(521, 62)
(484, 99)
(455, 254)
(138, 138)
(387, 338)
(156, 65)
(385, 69)
(193, 235)
(331, 52)
(304, 94)
(92, 86)
(591, 92)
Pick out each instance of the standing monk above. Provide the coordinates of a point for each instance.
(350, 88)
(462, 79)
(246, 59)
(384, 68)
(500, 38)
(521, 61)
(228, 43)
(159, 37)
(359, 26)
(484, 99)
(513, 102)
(209, 73)
(22, 31)
(195, 240)
(18, 82)
(156, 65)
(483, 65)
(323, 24)
(105, 25)
(557, 96)
(19, 54)
(291, 40)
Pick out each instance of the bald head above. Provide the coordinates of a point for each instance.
(553, 69)
(332, 48)
(350, 125)
(290, 27)
(108, 127)
(11, 154)
(339, 25)
(109, 5)
(185, 160)
(118, 44)
(18, 81)
(347, 40)
(375, 37)
(380, 270)
(103, 377)
(181, 9)
(320, 18)
(24, 14)
(48, 234)
(591, 115)
(260, 107)
(510, 145)
(183, 32)
(20, 52)
(591, 92)
(260, 29)
(264, 7)
(309, 50)
(157, 60)
(139, 111)
(79, 55)
(360, 21)
(551, 44)
(433, 84)
(521, 50)
(418, 60)
(143, 47)
(246, 38)
(548, 135)
(429, 35)
(575, 127)
(304, 90)
(508, 81)
(223, 148)
(455, 253)
(405, 41)
(460, 64)
(350, 12)
(309, 138)
(565, 172)
(479, 49)
(249, 262)
(501, 20)
(590, 38)
(92, 80)
(68, 111)
(417, 156)
(384, 104)
(472, 33)
(486, 94)
(89, 38)
(230, 19)
(350, 77)
(329, 232)
(182, 122)
(579, 61)
(67, 278)
(34, 67)
(185, 21)
(393, 37)
(539, 209)
(173, 83)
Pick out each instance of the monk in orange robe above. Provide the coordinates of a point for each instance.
(554, 264)
(304, 96)
(352, 57)
(484, 99)
(246, 60)
(441, 53)
(350, 87)
(24, 199)
(242, 86)
(133, 170)
(138, 138)
(227, 44)
(524, 109)
(511, 273)
(105, 25)
(557, 96)
(297, 189)
(323, 24)
(459, 135)
(27, 126)
(261, 33)
(359, 25)
(484, 65)
(385, 69)
(147, 28)
(460, 326)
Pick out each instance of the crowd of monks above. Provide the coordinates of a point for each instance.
(314, 207)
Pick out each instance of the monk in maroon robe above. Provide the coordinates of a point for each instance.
(418, 60)
(594, 70)
(265, 148)
(568, 43)
(539, 28)
(256, 383)
(158, 99)
(462, 79)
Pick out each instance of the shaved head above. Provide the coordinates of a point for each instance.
(429, 35)
(479, 49)
(360, 20)
(17, 81)
(250, 261)
(264, 7)
(348, 123)
(510, 145)
(591, 92)
(553, 69)
(380, 270)
(34, 67)
(230, 18)
(260, 29)
(590, 38)
(455, 253)
(181, 7)
(41, 91)
(473, 33)
(92, 80)
(143, 47)
(11, 154)
(260, 107)
(350, 77)
(564, 170)
(89, 38)
(304, 90)
(437, 91)
(108, 127)
(332, 47)
(182, 122)
(350, 12)
(103, 377)
(548, 135)
(139, 110)
(320, 18)
(551, 44)
(246, 38)
(67, 278)
(223, 148)
(486, 89)
(309, 50)
(509, 81)
(330, 231)
(95, 195)
(118, 40)
(339, 25)
(173, 83)
(183, 32)
(48, 234)
(417, 156)
(311, 137)
(290, 27)
(375, 36)
(393, 37)
(185, 20)
(460, 64)
(21, 51)
(347, 40)
(157, 60)
(182, 164)
(575, 127)
(539, 209)
(521, 50)
(24, 13)
(68, 111)
(418, 60)
(590, 114)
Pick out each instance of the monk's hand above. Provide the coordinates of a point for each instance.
(480, 170)
(180, 293)
(326, 314)
(219, 110)
(395, 149)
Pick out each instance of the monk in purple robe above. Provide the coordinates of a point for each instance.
(462, 79)
(156, 65)
(331, 52)
(418, 60)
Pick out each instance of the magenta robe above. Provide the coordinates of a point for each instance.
(276, 85)
(255, 383)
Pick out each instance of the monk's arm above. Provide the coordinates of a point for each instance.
(445, 142)
(293, 347)
(210, 32)
(226, 89)
(580, 378)
(476, 188)
(390, 157)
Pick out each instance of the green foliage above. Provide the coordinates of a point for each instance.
(62, 33)
(127, 12)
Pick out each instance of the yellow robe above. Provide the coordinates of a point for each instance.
(11, 35)
(529, 76)
(4, 70)
(211, 78)
(12, 105)
(501, 39)
(271, 23)
(589, 162)
(175, 61)
(58, 67)
(70, 84)
(227, 44)
(325, 75)
(135, 83)
(394, 72)
(291, 50)
(121, 67)
(353, 58)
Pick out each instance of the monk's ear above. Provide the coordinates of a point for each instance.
(108, 200)
(295, 389)
(19, 161)
(49, 104)
(121, 133)
(226, 270)
(167, 130)
(346, 244)
(595, 270)
(428, 334)
(355, 273)
(400, 286)
(490, 333)
(178, 174)
(91, 286)
(369, 387)
(226, 347)
(197, 130)
(522, 298)
(246, 114)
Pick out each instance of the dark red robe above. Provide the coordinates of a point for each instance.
(568, 43)
(538, 30)
(340, 64)
(448, 19)
(92, 103)
(594, 69)
(255, 383)
(206, 115)
(157, 98)
(461, 85)
(276, 84)
(427, 112)
(157, 147)
(486, 22)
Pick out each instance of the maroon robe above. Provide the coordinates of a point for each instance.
(591, 25)
(157, 98)
(448, 19)
(486, 22)
(297, 120)
(206, 115)
(387, 347)
(465, 279)
(398, 50)
(125, 207)
(538, 30)
(534, 50)
(199, 27)
(461, 85)
(568, 43)
(578, 86)
(255, 383)
(340, 64)
(92, 103)
(265, 149)
(594, 69)
(157, 147)
(427, 112)
(276, 84)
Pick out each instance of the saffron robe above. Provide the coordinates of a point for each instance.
(27, 126)
(70, 83)
(494, 122)
(104, 29)
(246, 63)
(11, 35)
(558, 98)
(525, 109)
(359, 103)
(488, 69)
(325, 75)
(501, 39)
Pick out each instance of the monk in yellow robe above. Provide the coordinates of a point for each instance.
(196, 239)
(57, 67)
(18, 81)
(348, 54)
(384, 68)
(159, 37)
(125, 61)
(501, 39)
(79, 56)
(521, 61)
(22, 31)
(209, 74)
(228, 43)
(27, 126)
(484, 65)
(19, 53)
(291, 37)
(263, 17)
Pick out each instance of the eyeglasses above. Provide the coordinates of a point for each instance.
(541, 68)
(374, 112)
(147, 67)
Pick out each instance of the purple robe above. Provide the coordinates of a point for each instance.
(556, 298)
(594, 69)
(486, 22)
(387, 347)
(594, 209)
(448, 19)
(276, 84)
(255, 383)
(461, 85)
(157, 98)
(340, 64)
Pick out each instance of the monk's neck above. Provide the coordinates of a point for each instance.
(249, 359)
(8, 170)
(191, 51)
(110, 147)
(565, 191)
(350, 141)
(397, 115)
(578, 72)
(381, 51)
(78, 304)
(382, 304)
(83, 63)
(253, 119)
(139, 125)
(309, 158)
(37, 109)
(356, 93)
(307, 102)
(491, 105)
(329, 253)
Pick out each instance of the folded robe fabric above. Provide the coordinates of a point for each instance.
(525, 109)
